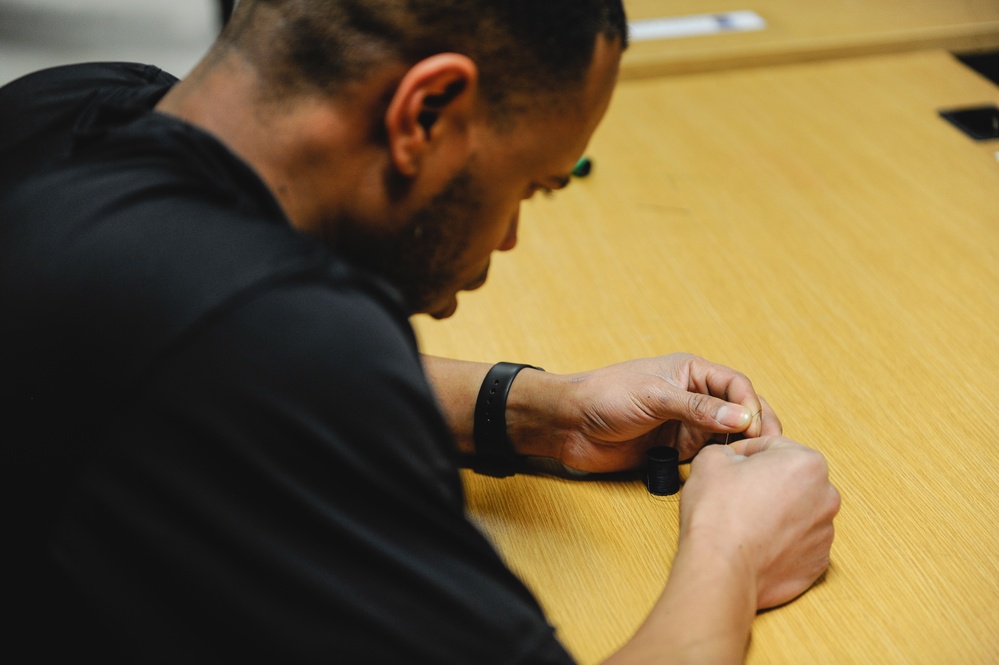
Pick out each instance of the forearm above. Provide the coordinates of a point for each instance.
(456, 384)
(528, 413)
(604, 420)
(703, 616)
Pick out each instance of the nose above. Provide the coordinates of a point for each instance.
(510, 241)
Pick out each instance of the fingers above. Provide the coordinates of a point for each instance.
(712, 458)
(763, 423)
(768, 422)
(744, 448)
(725, 381)
(735, 388)
(749, 447)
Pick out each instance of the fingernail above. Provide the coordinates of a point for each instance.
(731, 415)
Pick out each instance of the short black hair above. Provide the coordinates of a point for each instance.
(522, 48)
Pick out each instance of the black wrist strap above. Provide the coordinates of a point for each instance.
(494, 455)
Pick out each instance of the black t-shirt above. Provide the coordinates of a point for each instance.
(217, 441)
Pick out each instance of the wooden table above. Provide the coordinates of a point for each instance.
(822, 229)
(802, 30)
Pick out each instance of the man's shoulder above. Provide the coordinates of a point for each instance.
(131, 272)
(87, 76)
(68, 85)
(40, 112)
(135, 255)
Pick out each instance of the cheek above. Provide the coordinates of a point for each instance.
(495, 220)
(498, 214)
(498, 230)
(510, 238)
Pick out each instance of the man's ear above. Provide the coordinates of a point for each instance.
(430, 109)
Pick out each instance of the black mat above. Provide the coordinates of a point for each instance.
(986, 64)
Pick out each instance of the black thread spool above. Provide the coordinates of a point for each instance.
(663, 471)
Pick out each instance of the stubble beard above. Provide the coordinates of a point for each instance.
(421, 258)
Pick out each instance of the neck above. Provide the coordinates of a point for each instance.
(305, 148)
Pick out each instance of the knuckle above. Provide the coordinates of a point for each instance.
(835, 502)
(814, 463)
(698, 405)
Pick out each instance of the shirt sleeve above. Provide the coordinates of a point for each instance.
(282, 487)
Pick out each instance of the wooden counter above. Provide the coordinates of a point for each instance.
(808, 30)
(820, 228)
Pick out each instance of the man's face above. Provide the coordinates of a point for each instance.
(445, 246)
(425, 258)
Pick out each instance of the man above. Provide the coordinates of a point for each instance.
(220, 440)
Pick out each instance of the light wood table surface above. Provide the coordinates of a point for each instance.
(820, 228)
(801, 30)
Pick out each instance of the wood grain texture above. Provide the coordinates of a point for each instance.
(821, 229)
(807, 30)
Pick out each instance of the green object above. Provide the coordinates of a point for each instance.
(582, 167)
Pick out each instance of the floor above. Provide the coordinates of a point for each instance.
(172, 34)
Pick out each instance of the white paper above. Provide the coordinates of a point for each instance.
(672, 27)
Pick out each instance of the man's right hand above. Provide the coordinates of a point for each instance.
(755, 531)
(769, 502)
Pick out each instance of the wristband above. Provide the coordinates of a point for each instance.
(494, 455)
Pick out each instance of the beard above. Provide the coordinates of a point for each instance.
(421, 258)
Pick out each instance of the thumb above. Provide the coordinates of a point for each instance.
(707, 412)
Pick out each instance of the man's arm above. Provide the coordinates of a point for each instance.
(529, 408)
(604, 420)
(283, 465)
(756, 516)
